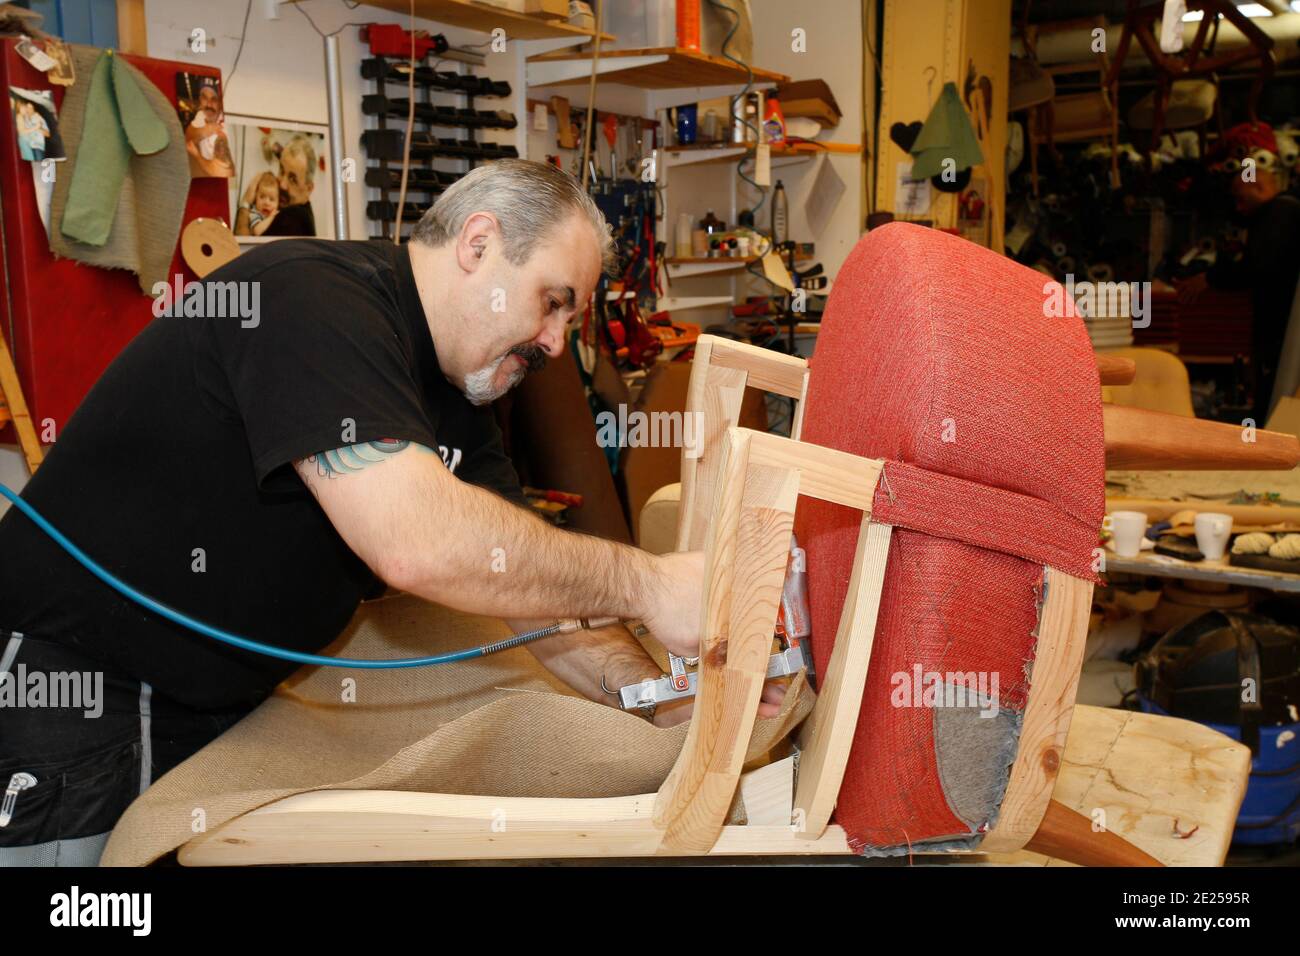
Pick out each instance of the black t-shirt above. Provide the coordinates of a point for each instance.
(176, 473)
(296, 220)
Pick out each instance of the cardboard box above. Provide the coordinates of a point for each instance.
(811, 98)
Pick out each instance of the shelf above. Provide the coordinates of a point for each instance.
(650, 68)
(729, 152)
(486, 18)
(679, 303)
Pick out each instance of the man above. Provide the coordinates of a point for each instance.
(265, 472)
(297, 180)
(1270, 268)
(205, 136)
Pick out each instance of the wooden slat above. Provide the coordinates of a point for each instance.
(796, 427)
(719, 396)
(768, 794)
(1142, 439)
(683, 68)
(824, 473)
(484, 18)
(827, 733)
(16, 409)
(768, 370)
(367, 826)
(1062, 633)
(132, 30)
(748, 544)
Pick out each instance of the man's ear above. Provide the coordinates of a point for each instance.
(479, 229)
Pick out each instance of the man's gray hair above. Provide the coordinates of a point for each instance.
(301, 146)
(527, 198)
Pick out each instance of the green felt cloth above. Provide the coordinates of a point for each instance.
(119, 122)
(947, 134)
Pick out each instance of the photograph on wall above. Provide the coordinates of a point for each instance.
(35, 118)
(280, 187)
(62, 72)
(198, 104)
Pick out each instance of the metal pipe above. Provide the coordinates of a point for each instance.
(334, 105)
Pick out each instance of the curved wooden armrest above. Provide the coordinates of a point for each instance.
(1138, 438)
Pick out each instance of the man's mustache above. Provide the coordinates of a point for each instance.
(533, 356)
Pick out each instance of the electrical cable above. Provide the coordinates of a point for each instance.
(257, 647)
(749, 83)
(239, 52)
(299, 8)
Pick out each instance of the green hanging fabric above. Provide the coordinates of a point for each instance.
(119, 121)
(947, 134)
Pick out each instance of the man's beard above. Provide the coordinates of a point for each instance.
(479, 388)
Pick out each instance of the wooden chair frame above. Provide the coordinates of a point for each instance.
(738, 500)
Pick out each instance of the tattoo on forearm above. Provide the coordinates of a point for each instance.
(351, 459)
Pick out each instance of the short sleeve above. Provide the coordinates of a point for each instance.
(319, 366)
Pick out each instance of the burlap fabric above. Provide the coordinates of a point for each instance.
(151, 202)
(498, 725)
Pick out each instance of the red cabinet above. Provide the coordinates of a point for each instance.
(66, 321)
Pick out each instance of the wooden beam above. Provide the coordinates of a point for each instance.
(1141, 439)
(132, 29)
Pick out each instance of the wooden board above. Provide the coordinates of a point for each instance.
(1219, 572)
(484, 18)
(682, 68)
(1168, 786)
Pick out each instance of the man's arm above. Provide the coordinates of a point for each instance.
(424, 531)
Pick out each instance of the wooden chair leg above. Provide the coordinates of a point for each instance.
(1068, 835)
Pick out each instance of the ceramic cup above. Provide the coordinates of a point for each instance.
(1126, 528)
(1212, 533)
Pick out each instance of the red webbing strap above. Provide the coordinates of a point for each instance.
(986, 517)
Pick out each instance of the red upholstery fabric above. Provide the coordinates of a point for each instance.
(936, 353)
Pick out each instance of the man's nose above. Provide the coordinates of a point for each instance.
(551, 340)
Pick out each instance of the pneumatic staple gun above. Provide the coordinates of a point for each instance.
(793, 630)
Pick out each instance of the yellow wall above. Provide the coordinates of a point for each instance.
(944, 35)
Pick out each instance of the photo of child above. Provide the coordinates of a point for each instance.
(34, 119)
(266, 203)
(198, 103)
(280, 187)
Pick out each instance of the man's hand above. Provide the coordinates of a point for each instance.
(675, 606)
(1190, 289)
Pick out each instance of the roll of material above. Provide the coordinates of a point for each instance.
(207, 245)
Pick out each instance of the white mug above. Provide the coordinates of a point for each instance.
(1212, 533)
(1126, 529)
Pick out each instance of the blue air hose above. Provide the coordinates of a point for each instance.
(256, 646)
